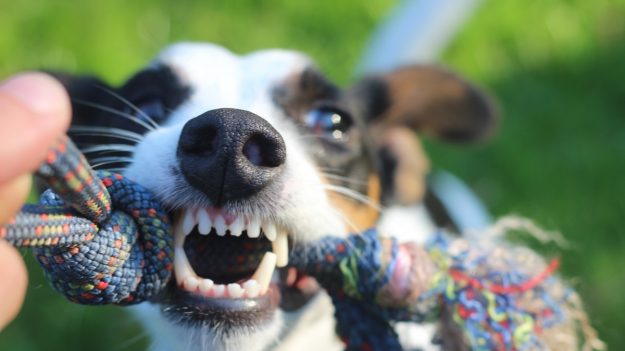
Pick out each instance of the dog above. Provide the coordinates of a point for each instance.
(254, 154)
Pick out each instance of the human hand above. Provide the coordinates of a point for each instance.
(34, 112)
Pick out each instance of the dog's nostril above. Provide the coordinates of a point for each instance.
(263, 151)
(202, 142)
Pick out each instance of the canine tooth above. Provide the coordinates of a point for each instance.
(203, 222)
(191, 283)
(236, 227)
(179, 234)
(219, 290)
(188, 222)
(235, 291)
(182, 267)
(269, 228)
(265, 271)
(220, 226)
(205, 286)
(251, 288)
(253, 228)
(280, 247)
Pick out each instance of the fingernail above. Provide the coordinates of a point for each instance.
(38, 92)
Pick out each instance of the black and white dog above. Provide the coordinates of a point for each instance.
(253, 154)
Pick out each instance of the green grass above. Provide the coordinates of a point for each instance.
(556, 67)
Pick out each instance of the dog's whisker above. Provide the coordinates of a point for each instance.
(131, 105)
(106, 132)
(343, 178)
(132, 340)
(352, 194)
(102, 161)
(108, 148)
(115, 112)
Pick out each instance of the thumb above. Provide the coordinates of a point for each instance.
(34, 111)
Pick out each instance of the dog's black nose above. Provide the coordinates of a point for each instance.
(230, 154)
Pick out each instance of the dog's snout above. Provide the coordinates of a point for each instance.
(230, 154)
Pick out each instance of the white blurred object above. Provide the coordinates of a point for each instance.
(462, 205)
(416, 31)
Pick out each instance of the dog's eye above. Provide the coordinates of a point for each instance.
(148, 108)
(329, 122)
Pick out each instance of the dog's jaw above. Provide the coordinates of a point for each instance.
(297, 202)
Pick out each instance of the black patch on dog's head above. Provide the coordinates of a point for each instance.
(100, 111)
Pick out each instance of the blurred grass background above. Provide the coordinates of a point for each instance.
(556, 67)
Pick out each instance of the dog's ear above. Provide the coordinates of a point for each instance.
(422, 99)
(427, 99)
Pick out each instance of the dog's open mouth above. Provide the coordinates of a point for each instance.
(225, 266)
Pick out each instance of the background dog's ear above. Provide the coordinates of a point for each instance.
(427, 99)
(424, 99)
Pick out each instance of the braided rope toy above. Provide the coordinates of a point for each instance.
(103, 239)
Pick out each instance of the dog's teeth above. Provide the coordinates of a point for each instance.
(219, 290)
(281, 248)
(182, 267)
(269, 228)
(188, 221)
(206, 285)
(203, 222)
(179, 234)
(190, 283)
(236, 227)
(251, 288)
(220, 225)
(253, 227)
(264, 272)
(234, 290)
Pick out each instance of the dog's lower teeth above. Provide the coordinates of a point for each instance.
(264, 272)
(191, 283)
(251, 288)
(234, 290)
(219, 290)
(280, 247)
(206, 285)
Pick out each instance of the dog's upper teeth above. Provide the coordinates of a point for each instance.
(204, 223)
(253, 228)
(220, 225)
(236, 227)
(270, 230)
(188, 221)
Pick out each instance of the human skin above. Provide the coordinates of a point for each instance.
(34, 112)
